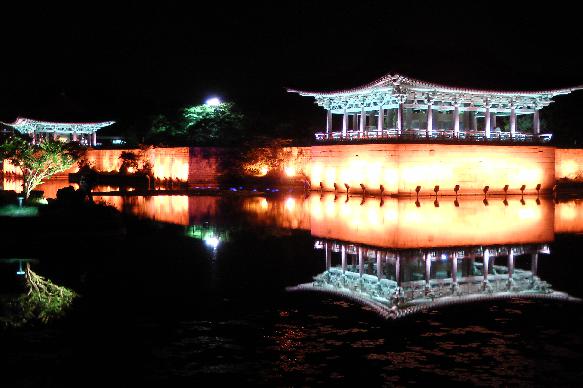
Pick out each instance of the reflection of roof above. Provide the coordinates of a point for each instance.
(389, 300)
(25, 125)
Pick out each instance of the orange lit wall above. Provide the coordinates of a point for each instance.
(400, 224)
(169, 163)
(569, 164)
(400, 168)
(569, 216)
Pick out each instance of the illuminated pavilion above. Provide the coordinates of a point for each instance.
(396, 106)
(85, 133)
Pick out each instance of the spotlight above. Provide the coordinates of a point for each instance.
(347, 187)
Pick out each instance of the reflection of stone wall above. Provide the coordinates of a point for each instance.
(569, 164)
(402, 167)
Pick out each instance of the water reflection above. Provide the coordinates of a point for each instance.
(396, 283)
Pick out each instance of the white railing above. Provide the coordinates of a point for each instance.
(437, 134)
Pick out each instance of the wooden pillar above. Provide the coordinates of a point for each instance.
(429, 120)
(344, 123)
(536, 122)
(456, 121)
(380, 120)
(328, 122)
(512, 121)
(400, 118)
(362, 121)
(487, 122)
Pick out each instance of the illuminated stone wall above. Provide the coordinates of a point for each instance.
(400, 168)
(569, 164)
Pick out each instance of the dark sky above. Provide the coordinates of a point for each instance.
(125, 62)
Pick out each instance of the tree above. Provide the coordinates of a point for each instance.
(212, 125)
(38, 161)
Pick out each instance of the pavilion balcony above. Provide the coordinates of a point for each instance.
(435, 135)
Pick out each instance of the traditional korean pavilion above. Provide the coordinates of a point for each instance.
(85, 133)
(396, 106)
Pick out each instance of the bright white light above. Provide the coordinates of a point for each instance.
(212, 242)
(213, 101)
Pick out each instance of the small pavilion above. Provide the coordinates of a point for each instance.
(396, 106)
(84, 133)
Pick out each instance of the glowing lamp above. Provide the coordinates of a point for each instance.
(213, 101)
(212, 242)
(290, 171)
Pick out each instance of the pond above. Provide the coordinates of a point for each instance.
(285, 289)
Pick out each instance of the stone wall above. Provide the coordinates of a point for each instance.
(400, 168)
(569, 164)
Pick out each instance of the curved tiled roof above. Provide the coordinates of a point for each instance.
(397, 79)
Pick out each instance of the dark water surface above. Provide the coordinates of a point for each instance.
(201, 297)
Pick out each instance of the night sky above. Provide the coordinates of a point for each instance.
(128, 62)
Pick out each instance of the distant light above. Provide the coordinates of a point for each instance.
(212, 242)
(213, 101)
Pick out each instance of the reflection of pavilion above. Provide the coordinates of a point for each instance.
(398, 283)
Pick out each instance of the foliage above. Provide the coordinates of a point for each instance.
(44, 301)
(269, 157)
(38, 161)
(199, 125)
(212, 124)
(129, 162)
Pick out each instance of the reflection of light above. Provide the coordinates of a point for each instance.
(263, 203)
(290, 171)
(290, 203)
(212, 242)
